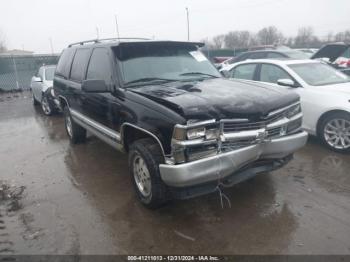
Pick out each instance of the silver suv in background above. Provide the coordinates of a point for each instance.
(41, 86)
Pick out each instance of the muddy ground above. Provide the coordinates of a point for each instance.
(61, 199)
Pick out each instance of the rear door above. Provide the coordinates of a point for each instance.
(101, 107)
(77, 74)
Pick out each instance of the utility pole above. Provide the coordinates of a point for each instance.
(51, 45)
(116, 25)
(97, 33)
(188, 25)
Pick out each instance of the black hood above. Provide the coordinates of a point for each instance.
(218, 98)
(331, 51)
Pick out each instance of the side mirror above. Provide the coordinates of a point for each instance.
(286, 82)
(37, 79)
(94, 86)
(225, 73)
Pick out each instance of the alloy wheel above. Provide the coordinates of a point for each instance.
(337, 133)
(142, 176)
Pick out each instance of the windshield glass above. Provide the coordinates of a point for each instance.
(49, 73)
(318, 74)
(142, 62)
(296, 55)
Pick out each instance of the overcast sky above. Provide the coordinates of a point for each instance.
(29, 24)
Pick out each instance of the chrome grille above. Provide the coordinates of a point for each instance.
(232, 126)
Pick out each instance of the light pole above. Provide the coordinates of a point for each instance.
(116, 25)
(51, 45)
(188, 25)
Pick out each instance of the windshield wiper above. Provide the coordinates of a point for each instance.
(197, 73)
(149, 79)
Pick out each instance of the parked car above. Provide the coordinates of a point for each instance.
(324, 92)
(42, 89)
(337, 55)
(268, 54)
(186, 129)
(308, 51)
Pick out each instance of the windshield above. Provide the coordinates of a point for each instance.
(142, 62)
(296, 55)
(49, 73)
(318, 74)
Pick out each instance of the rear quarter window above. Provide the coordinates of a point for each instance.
(63, 66)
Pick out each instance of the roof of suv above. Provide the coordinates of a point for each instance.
(128, 40)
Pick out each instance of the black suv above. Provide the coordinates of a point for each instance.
(187, 130)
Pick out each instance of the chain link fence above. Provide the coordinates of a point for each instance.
(16, 71)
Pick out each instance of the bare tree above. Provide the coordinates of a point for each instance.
(238, 39)
(270, 36)
(343, 36)
(2, 43)
(306, 38)
(218, 41)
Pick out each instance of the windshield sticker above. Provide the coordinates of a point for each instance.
(198, 56)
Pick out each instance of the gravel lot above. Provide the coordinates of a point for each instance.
(61, 199)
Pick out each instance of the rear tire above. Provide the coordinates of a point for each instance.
(145, 156)
(334, 132)
(76, 133)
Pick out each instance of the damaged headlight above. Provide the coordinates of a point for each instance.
(194, 140)
(293, 111)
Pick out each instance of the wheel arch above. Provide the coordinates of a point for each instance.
(63, 102)
(325, 115)
(130, 133)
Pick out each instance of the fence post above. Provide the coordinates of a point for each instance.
(15, 68)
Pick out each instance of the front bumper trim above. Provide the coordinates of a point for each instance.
(225, 164)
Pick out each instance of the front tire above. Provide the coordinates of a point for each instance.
(145, 156)
(76, 133)
(335, 132)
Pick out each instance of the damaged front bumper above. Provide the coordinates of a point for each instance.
(225, 165)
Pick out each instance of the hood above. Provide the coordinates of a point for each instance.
(331, 51)
(218, 98)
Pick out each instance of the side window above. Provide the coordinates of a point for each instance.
(274, 55)
(100, 66)
(244, 72)
(271, 73)
(64, 62)
(257, 55)
(79, 64)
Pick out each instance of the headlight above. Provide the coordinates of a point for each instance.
(293, 111)
(196, 133)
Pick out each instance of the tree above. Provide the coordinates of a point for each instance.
(238, 39)
(343, 36)
(270, 36)
(306, 38)
(218, 41)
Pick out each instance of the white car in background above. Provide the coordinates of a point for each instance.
(324, 93)
(42, 89)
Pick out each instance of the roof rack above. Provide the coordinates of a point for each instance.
(95, 41)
